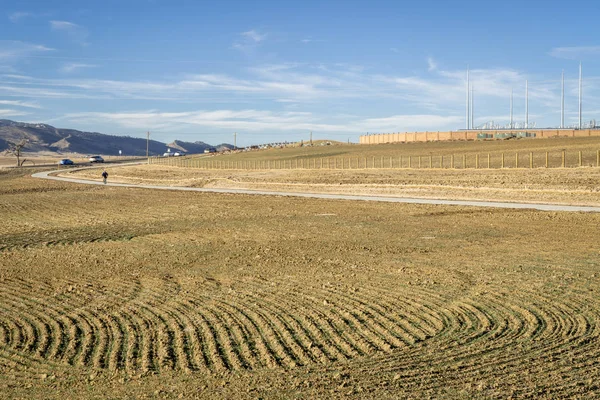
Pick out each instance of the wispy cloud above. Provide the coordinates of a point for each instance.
(432, 66)
(71, 67)
(254, 35)
(575, 52)
(76, 33)
(19, 15)
(11, 113)
(12, 50)
(256, 120)
(249, 40)
(18, 103)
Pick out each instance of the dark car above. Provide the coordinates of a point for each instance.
(96, 159)
(65, 161)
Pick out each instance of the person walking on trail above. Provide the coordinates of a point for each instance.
(104, 176)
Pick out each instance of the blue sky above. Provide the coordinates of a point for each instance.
(276, 70)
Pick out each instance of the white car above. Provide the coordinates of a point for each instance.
(168, 155)
(96, 159)
(178, 154)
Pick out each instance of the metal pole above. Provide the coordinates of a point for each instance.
(526, 104)
(147, 145)
(562, 101)
(467, 116)
(511, 108)
(580, 78)
(472, 101)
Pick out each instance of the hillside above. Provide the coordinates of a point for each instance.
(43, 137)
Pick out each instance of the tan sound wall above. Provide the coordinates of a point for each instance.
(407, 137)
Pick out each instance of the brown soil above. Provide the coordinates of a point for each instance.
(579, 186)
(131, 293)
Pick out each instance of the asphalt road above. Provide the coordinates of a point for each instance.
(388, 199)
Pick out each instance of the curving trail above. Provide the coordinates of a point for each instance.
(389, 199)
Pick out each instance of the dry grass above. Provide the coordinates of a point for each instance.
(138, 293)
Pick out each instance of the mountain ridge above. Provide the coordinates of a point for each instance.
(44, 137)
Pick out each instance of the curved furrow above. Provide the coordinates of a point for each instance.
(186, 344)
(262, 346)
(417, 317)
(324, 320)
(35, 333)
(322, 340)
(239, 332)
(212, 356)
(293, 354)
(194, 338)
(89, 331)
(393, 316)
(16, 336)
(392, 332)
(117, 348)
(225, 344)
(306, 342)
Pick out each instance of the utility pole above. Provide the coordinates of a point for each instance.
(511, 108)
(467, 118)
(472, 107)
(580, 87)
(562, 101)
(526, 104)
(234, 140)
(147, 145)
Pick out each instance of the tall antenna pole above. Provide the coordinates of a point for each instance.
(511, 108)
(562, 101)
(472, 107)
(526, 104)
(580, 78)
(467, 117)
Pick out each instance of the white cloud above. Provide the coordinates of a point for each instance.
(248, 41)
(262, 121)
(432, 66)
(17, 16)
(254, 35)
(76, 33)
(18, 103)
(11, 113)
(575, 52)
(13, 50)
(71, 67)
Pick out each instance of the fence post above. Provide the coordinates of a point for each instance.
(502, 165)
(476, 161)
(464, 161)
(531, 159)
(419, 161)
(452, 161)
(563, 159)
(580, 159)
(430, 162)
(441, 162)
(488, 160)
(546, 159)
(373, 162)
(598, 158)
(517, 160)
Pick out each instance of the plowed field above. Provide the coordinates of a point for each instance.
(132, 293)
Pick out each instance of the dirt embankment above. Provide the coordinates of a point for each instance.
(577, 186)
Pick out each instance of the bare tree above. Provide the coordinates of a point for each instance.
(16, 149)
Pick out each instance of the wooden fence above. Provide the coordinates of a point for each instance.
(560, 159)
